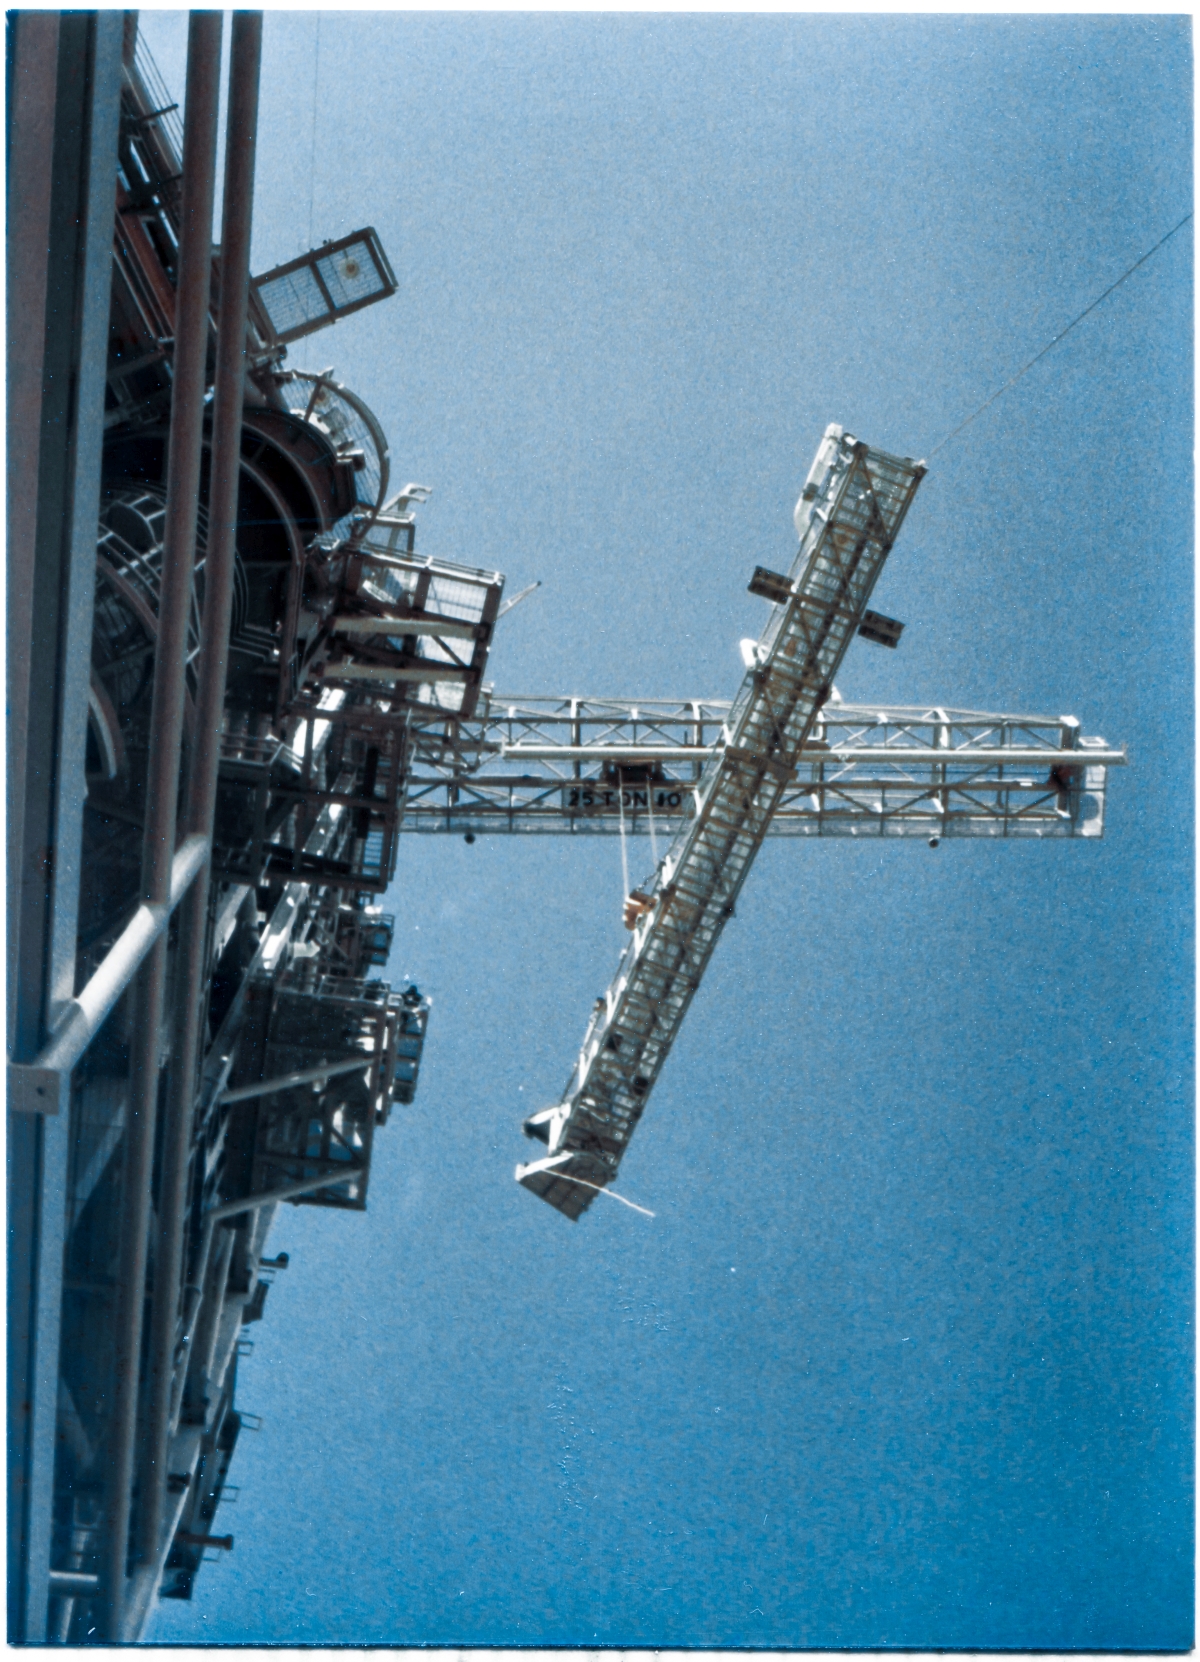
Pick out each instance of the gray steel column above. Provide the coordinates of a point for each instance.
(33, 51)
(240, 137)
(65, 92)
(166, 728)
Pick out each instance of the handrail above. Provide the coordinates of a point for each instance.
(35, 1087)
(289, 1081)
(362, 514)
(898, 755)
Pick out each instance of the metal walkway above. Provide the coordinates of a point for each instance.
(853, 507)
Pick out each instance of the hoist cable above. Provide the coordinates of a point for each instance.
(1060, 336)
(312, 158)
(624, 854)
(611, 1193)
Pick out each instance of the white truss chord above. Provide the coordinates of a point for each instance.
(573, 766)
(851, 511)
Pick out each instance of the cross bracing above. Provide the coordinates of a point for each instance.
(316, 656)
(579, 766)
(853, 506)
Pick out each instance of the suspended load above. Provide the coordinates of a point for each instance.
(849, 513)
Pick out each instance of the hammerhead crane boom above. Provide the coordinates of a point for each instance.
(853, 505)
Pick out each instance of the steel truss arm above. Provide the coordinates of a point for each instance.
(574, 765)
(861, 503)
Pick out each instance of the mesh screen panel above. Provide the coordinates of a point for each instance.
(350, 274)
(443, 695)
(293, 300)
(454, 598)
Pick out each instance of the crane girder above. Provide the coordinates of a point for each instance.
(853, 506)
(581, 766)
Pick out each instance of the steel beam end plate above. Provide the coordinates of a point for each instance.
(34, 1090)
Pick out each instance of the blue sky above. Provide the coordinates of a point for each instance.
(905, 1356)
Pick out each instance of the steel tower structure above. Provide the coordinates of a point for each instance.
(234, 682)
(218, 627)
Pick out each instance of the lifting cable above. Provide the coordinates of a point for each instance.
(612, 1194)
(1062, 333)
(312, 161)
(624, 854)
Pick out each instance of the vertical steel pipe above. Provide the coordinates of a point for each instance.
(162, 785)
(33, 45)
(209, 1321)
(240, 139)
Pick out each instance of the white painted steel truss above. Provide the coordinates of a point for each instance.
(852, 508)
(578, 765)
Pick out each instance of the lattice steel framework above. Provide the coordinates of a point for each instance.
(577, 766)
(340, 657)
(856, 502)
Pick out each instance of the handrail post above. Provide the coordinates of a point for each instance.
(40, 1086)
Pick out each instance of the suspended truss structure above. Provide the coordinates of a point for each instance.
(583, 766)
(852, 508)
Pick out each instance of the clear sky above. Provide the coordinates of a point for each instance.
(905, 1356)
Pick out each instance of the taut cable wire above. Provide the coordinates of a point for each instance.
(312, 157)
(1060, 336)
(611, 1193)
(624, 854)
